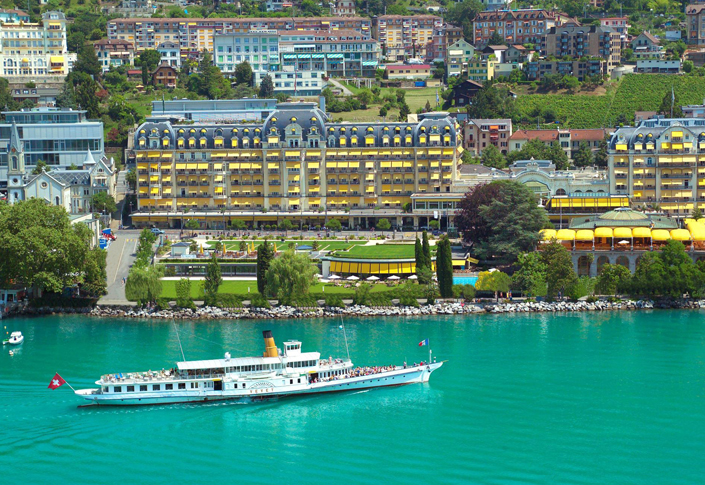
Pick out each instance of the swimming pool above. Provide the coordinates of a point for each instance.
(464, 280)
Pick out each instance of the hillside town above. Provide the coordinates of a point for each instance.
(191, 121)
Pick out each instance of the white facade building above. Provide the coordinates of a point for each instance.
(171, 54)
(35, 51)
(260, 48)
(295, 83)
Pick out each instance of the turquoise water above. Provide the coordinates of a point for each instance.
(614, 398)
(464, 280)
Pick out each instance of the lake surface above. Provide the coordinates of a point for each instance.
(563, 399)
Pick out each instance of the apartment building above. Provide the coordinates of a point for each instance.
(694, 111)
(618, 24)
(695, 24)
(515, 26)
(35, 51)
(343, 8)
(568, 140)
(339, 53)
(404, 36)
(536, 70)
(481, 69)
(577, 41)
(13, 16)
(295, 82)
(660, 161)
(295, 164)
(260, 48)
(658, 66)
(479, 134)
(458, 56)
(194, 34)
(170, 53)
(647, 46)
(56, 136)
(114, 53)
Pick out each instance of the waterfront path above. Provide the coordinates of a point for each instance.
(121, 255)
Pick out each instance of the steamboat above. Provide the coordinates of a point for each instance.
(276, 374)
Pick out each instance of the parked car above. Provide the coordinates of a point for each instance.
(156, 231)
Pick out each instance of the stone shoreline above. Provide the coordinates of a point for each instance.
(445, 308)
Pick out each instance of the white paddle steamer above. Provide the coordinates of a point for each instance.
(275, 374)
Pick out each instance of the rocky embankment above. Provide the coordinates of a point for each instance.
(444, 308)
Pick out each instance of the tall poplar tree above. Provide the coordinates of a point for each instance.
(444, 267)
(265, 253)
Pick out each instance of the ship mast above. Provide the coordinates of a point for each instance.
(347, 349)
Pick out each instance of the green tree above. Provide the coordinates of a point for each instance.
(697, 214)
(426, 249)
(212, 281)
(183, 293)
(39, 246)
(649, 276)
(266, 87)
(237, 225)
(418, 255)
(144, 284)
(383, 225)
(492, 102)
(583, 155)
(671, 104)
(334, 225)
(242, 246)
(444, 267)
(530, 278)
(131, 178)
(102, 202)
(192, 224)
(492, 157)
(286, 225)
(149, 59)
(613, 278)
(87, 62)
(494, 281)
(560, 274)
(243, 73)
(462, 14)
(41, 166)
(434, 224)
(558, 156)
(688, 66)
(601, 157)
(95, 274)
(265, 254)
(365, 97)
(289, 276)
(501, 220)
(496, 39)
(383, 111)
(404, 112)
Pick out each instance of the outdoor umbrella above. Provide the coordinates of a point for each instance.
(352, 278)
(413, 277)
(334, 277)
(393, 277)
(372, 278)
(623, 242)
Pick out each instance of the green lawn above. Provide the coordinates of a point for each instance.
(240, 288)
(380, 251)
(323, 244)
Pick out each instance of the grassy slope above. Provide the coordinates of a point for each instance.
(384, 251)
(638, 92)
(281, 246)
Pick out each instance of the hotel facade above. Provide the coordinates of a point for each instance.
(660, 161)
(296, 164)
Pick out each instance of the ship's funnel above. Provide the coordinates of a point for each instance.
(270, 348)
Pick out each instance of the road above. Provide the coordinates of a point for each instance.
(345, 91)
(121, 255)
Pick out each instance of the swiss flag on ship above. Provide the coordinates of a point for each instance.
(56, 382)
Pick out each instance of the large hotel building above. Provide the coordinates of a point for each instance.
(660, 161)
(296, 164)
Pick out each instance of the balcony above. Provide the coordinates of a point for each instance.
(675, 187)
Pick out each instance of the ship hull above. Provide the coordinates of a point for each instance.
(261, 391)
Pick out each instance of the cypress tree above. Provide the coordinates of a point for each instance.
(264, 256)
(418, 255)
(444, 268)
(426, 251)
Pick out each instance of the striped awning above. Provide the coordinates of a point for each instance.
(369, 63)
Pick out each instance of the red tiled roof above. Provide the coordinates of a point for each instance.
(543, 135)
(407, 66)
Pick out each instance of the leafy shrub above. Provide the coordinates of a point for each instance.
(334, 301)
(258, 301)
(163, 304)
(228, 301)
(304, 301)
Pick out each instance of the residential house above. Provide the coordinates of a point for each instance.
(577, 41)
(517, 54)
(114, 53)
(343, 8)
(647, 46)
(495, 52)
(479, 134)
(694, 110)
(13, 16)
(568, 140)
(170, 53)
(407, 71)
(464, 92)
(164, 75)
(480, 69)
(695, 24)
(457, 58)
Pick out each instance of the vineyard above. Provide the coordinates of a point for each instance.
(636, 92)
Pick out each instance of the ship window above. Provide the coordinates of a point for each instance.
(244, 385)
(291, 381)
(299, 381)
(117, 389)
(130, 388)
(235, 386)
(168, 387)
(182, 385)
(143, 388)
(156, 387)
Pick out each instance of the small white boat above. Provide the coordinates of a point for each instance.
(16, 338)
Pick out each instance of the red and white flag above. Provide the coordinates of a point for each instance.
(56, 382)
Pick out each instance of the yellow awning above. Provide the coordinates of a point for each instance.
(293, 154)
(565, 235)
(219, 154)
(698, 233)
(680, 234)
(641, 232)
(154, 178)
(660, 235)
(272, 165)
(56, 59)
(354, 164)
(313, 153)
(313, 165)
(677, 134)
(584, 235)
(434, 152)
(153, 154)
(203, 166)
(622, 147)
(603, 232)
(180, 166)
(548, 234)
(192, 166)
(677, 146)
(622, 232)
(155, 190)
